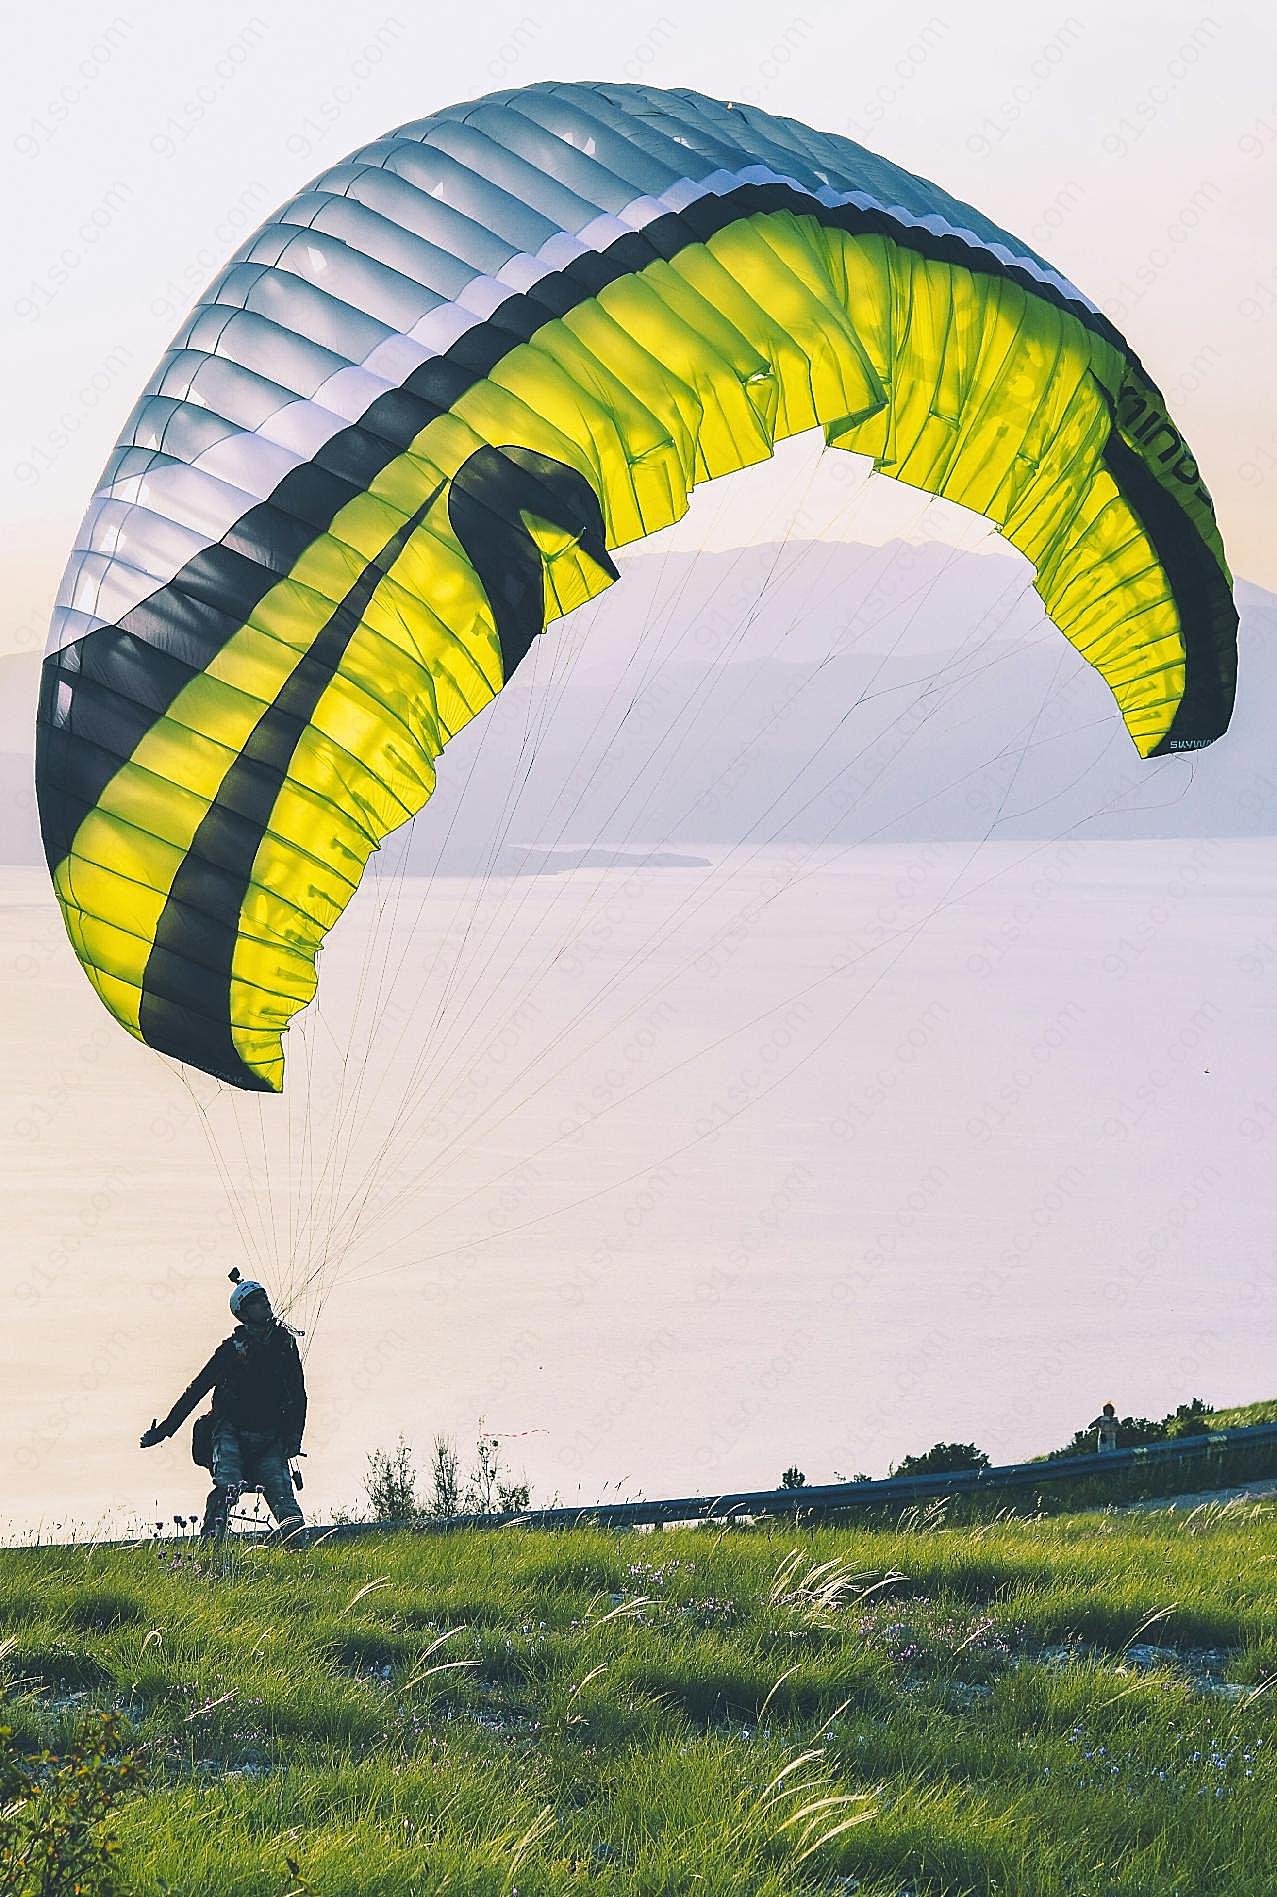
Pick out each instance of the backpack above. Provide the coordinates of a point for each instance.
(202, 1442)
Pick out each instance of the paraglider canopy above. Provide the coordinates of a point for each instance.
(407, 425)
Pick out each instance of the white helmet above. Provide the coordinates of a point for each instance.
(245, 1289)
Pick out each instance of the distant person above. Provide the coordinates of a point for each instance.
(259, 1412)
(1105, 1427)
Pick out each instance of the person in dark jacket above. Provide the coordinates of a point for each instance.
(259, 1412)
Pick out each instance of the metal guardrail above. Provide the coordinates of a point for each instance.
(806, 1504)
(832, 1499)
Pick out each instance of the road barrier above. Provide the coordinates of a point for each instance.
(841, 1498)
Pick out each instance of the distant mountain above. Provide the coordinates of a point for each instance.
(796, 693)
(831, 693)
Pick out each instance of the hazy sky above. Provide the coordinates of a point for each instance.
(1137, 149)
(1135, 145)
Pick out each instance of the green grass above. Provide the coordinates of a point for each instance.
(1246, 1416)
(499, 1712)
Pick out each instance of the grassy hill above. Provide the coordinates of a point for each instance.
(1043, 1708)
(1247, 1416)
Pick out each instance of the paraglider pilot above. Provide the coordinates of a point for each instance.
(259, 1411)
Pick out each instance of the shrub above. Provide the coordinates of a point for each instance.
(447, 1481)
(392, 1484)
(489, 1489)
(943, 1459)
(54, 1836)
(481, 1489)
(1190, 1419)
